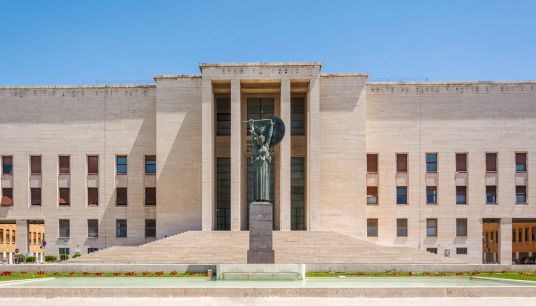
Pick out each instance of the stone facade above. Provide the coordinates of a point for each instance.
(346, 118)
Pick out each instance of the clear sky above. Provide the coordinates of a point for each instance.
(117, 41)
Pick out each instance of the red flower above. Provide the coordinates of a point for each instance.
(146, 273)
(173, 273)
(55, 273)
(159, 273)
(24, 272)
(410, 273)
(98, 273)
(116, 274)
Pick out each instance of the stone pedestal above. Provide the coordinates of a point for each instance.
(260, 233)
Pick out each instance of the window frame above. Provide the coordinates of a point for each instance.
(491, 165)
(405, 195)
(372, 196)
(96, 189)
(90, 166)
(524, 164)
(494, 202)
(401, 162)
(118, 228)
(7, 200)
(462, 229)
(148, 164)
(461, 187)
(429, 228)
(462, 162)
(68, 228)
(68, 201)
(145, 202)
(524, 195)
(430, 163)
(93, 234)
(372, 160)
(6, 166)
(61, 170)
(403, 228)
(150, 228)
(371, 228)
(117, 198)
(38, 168)
(435, 196)
(121, 164)
(36, 196)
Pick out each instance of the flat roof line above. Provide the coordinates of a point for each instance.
(78, 86)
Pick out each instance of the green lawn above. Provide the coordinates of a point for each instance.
(506, 275)
(22, 275)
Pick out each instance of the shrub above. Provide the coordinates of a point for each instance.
(51, 258)
(30, 259)
(22, 258)
(64, 256)
(76, 255)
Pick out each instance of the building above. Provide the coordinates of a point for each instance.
(425, 165)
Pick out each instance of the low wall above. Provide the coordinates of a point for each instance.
(110, 268)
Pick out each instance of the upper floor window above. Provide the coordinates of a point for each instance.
(372, 195)
(431, 227)
(401, 195)
(150, 164)
(35, 164)
(121, 197)
(7, 197)
(401, 162)
(521, 162)
(461, 194)
(491, 162)
(92, 196)
(121, 228)
(150, 196)
(121, 164)
(461, 162)
(93, 164)
(64, 196)
(7, 164)
(65, 228)
(223, 116)
(491, 194)
(401, 227)
(521, 194)
(64, 164)
(297, 116)
(431, 194)
(35, 196)
(150, 228)
(372, 227)
(260, 108)
(93, 228)
(431, 162)
(372, 163)
(461, 227)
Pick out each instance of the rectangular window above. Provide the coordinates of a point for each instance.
(150, 164)
(35, 164)
(521, 162)
(401, 195)
(7, 197)
(514, 236)
(150, 228)
(372, 163)
(521, 194)
(64, 196)
(64, 251)
(150, 196)
(461, 251)
(93, 164)
(461, 194)
(431, 227)
(401, 227)
(64, 164)
(401, 162)
(121, 164)
(65, 228)
(491, 162)
(93, 228)
(372, 195)
(223, 193)
(91, 250)
(461, 162)
(297, 116)
(121, 228)
(35, 196)
(491, 194)
(431, 162)
(431, 194)
(297, 193)
(461, 227)
(431, 250)
(7, 164)
(121, 197)
(372, 227)
(223, 116)
(92, 196)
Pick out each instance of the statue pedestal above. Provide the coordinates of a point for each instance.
(260, 233)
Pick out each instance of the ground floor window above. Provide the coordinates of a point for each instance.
(150, 228)
(431, 250)
(223, 194)
(461, 251)
(91, 250)
(64, 251)
(121, 228)
(372, 227)
(297, 193)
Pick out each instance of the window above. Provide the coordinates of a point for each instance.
(372, 227)
(431, 227)
(297, 193)
(35, 196)
(521, 162)
(93, 228)
(401, 162)
(64, 196)
(150, 164)
(65, 228)
(150, 196)
(461, 227)
(121, 164)
(461, 194)
(150, 228)
(401, 195)
(297, 116)
(223, 116)
(223, 193)
(491, 162)
(64, 251)
(7, 197)
(93, 164)
(64, 164)
(120, 228)
(401, 227)
(521, 194)
(491, 194)
(461, 251)
(514, 236)
(92, 196)
(431, 250)
(121, 198)
(372, 195)
(91, 250)
(372, 163)
(461, 162)
(35, 164)
(431, 194)
(7, 164)
(431, 162)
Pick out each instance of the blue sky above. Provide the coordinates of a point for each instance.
(88, 42)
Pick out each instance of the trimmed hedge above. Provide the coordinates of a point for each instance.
(64, 256)
(30, 259)
(51, 258)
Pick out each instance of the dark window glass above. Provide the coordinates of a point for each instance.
(372, 195)
(65, 228)
(150, 164)
(64, 164)
(7, 197)
(431, 194)
(521, 194)
(223, 116)
(461, 251)
(431, 250)
(93, 228)
(461, 194)
(35, 195)
(121, 228)
(372, 227)
(121, 164)
(401, 227)
(297, 193)
(491, 194)
(150, 228)
(223, 193)
(514, 236)
(521, 162)
(491, 162)
(64, 196)
(372, 163)
(431, 227)
(297, 116)
(461, 162)
(260, 108)
(92, 196)
(93, 164)
(35, 164)
(401, 162)
(91, 250)
(121, 198)
(7, 164)
(63, 251)
(431, 162)
(401, 195)
(461, 227)
(150, 196)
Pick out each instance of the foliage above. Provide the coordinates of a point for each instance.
(30, 259)
(51, 258)
(64, 256)
(76, 255)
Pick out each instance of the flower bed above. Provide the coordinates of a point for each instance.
(8, 275)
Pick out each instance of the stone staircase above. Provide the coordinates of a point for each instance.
(196, 247)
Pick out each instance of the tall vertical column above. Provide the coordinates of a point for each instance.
(505, 241)
(284, 151)
(22, 236)
(313, 153)
(207, 155)
(236, 183)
